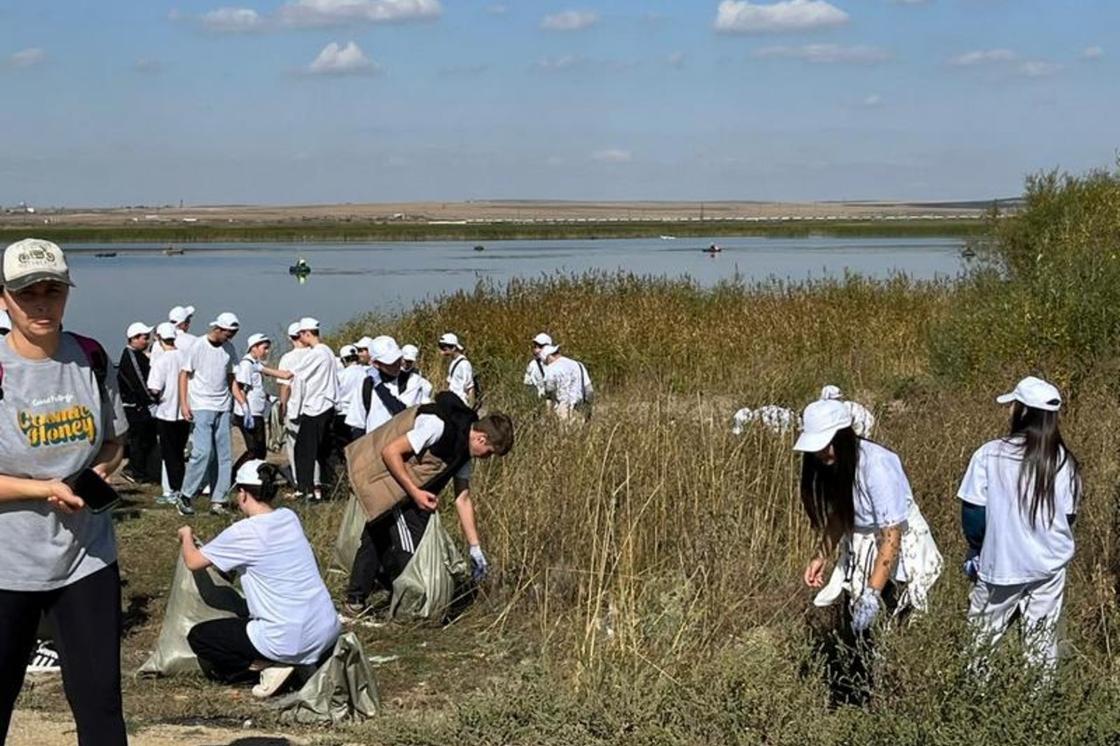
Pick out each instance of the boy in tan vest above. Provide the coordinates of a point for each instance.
(397, 472)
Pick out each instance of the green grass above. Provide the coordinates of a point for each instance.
(391, 231)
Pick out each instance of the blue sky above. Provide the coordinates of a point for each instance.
(300, 101)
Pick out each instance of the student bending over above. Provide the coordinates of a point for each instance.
(292, 621)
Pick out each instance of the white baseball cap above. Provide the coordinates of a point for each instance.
(549, 350)
(348, 351)
(179, 314)
(293, 329)
(363, 343)
(308, 324)
(831, 392)
(34, 260)
(249, 473)
(227, 321)
(166, 331)
(410, 353)
(1034, 393)
(256, 339)
(819, 424)
(451, 340)
(136, 328)
(542, 339)
(385, 350)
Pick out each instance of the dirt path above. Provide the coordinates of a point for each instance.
(31, 728)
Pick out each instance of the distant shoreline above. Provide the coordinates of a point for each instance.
(333, 231)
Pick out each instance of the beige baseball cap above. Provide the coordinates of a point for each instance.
(34, 260)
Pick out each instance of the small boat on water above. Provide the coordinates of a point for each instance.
(713, 249)
(300, 269)
(668, 238)
(480, 247)
(105, 254)
(173, 251)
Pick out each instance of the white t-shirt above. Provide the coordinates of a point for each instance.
(318, 377)
(881, 494)
(416, 391)
(248, 374)
(566, 381)
(425, 433)
(184, 340)
(460, 378)
(292, 617)
(350, 384)
(211, 367)
(1015, 552)
(534, 376)
(163, 377)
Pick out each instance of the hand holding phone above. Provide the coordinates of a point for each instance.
(96, 493)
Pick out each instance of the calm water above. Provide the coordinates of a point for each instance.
(252, 280)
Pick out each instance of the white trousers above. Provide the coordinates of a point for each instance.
(991, 607)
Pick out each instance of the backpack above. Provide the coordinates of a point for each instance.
(95, 356)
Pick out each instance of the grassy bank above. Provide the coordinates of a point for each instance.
(395, 231)
(646, 585)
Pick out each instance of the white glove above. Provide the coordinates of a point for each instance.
(478, 562)
(865, 610)
(249, 421)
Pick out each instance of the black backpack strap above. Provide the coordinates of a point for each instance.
(392, 403)
(367, 393)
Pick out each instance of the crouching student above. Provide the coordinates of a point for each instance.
(1019, 499)
(292, 620)
(857, 496)
(397, 473)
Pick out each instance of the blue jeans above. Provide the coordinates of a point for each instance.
(210, 443)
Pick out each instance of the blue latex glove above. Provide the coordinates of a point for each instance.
(249, 421)
(478, 563)
(971, 565)
(865, 610)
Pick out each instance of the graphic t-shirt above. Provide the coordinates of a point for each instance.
(53, 420)
(292, 617)
(211, 366)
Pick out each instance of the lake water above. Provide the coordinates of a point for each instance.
(252, 280)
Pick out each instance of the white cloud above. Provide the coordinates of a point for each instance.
(1092, 53)
(563, 62)
(827, 54)
(323, 13)
(612, 155)
(983, 57)
(1038, 69)
(745, 17)
(570, 20)
(336, 59)
(873, 101)
(27, 57)
(676, 59)
(232, 20)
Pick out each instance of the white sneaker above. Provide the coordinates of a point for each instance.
(272, 678)
(44, 659)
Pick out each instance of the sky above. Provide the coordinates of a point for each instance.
(322, 101)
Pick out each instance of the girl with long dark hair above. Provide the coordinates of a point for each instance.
(1019, 499)
(857, 496)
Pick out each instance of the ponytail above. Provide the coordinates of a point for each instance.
(266, 491)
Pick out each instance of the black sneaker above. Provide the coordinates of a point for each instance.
(44, 659)
(183, 505)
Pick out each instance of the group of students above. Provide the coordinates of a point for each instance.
(1019, 498)
(62, 416)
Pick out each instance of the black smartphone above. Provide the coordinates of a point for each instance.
(98, 494)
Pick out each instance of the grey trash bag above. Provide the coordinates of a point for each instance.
(342, 689)
(195, 597)
(349, 535)
(426, 587)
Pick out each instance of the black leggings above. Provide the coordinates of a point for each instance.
(173, 438)
(388, 543)
(86, 617)
(313, 445)
(256, 443)
(224, 650)
(143, 448)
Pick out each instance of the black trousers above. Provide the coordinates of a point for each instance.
(86, 618)
(256, 441)
(388, 543)
(313, 445)
(342, 435)
(224, 650)
(173, 437)
(143, 446)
